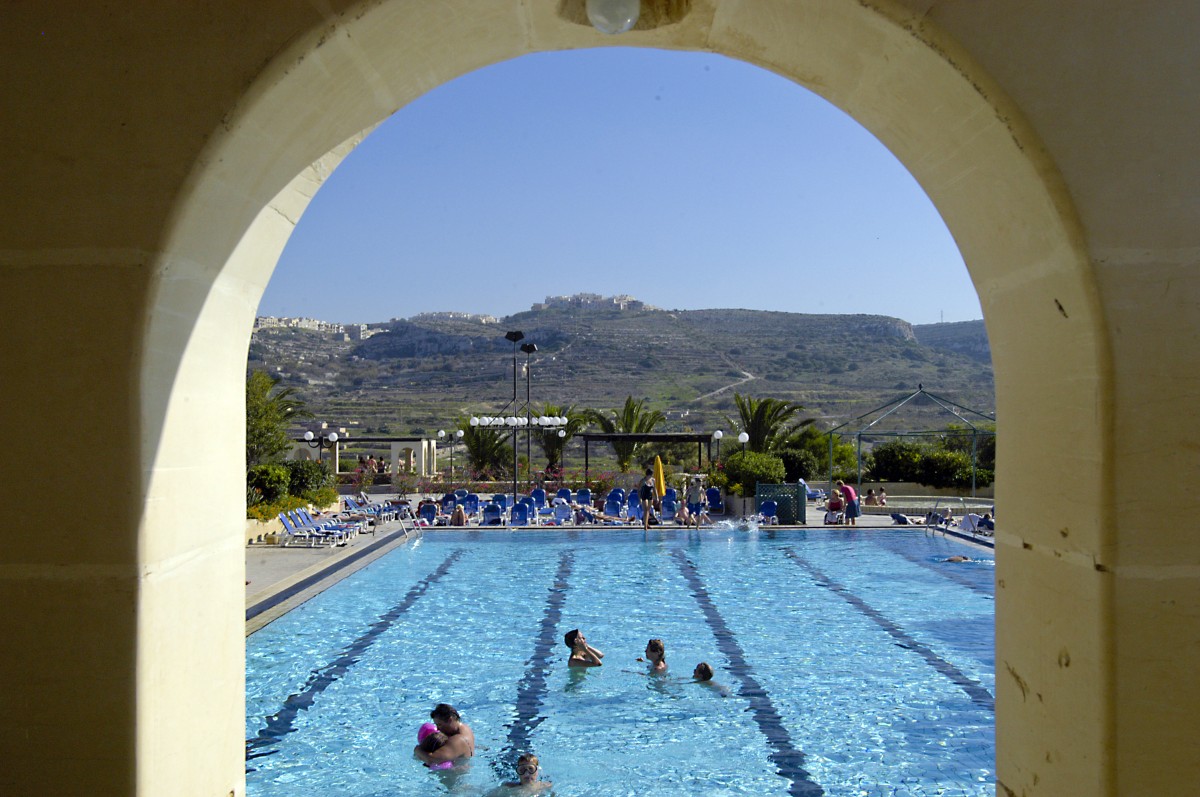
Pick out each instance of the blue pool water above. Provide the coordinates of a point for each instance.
(856, 662)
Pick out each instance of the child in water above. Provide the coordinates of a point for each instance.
(656, 655)
(527, 772)
(429, 738)
(703, 674)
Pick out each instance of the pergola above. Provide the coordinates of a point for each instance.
(946, 406)
(699, 438)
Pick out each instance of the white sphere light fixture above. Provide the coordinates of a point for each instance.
(459, 434)
(743, 438)
(333, 437)
(309, 435)
(474, 420)
(441, 434)
(562, 432)
(613, 16)
(717, 435)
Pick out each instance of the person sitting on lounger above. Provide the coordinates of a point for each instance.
(459, 516)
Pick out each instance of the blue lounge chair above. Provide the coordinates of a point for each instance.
(669, 508)
(670, 493)
(618, 492)
(584, 497)
(493, 515)
(350, 529)
(564, 515)
(520, 515)
(428, 512)
(769, 512)
(380, 512)
(460, 494)
(293, 532)
(564, 493)
(449, 501)
(634, 507)
(715, 505)
(470, 504)
(501, 500)
(539, 498)
(612, 507)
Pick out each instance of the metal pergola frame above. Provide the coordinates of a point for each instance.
(700, 438)
(957, 410)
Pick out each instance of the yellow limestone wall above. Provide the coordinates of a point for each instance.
(157, 156)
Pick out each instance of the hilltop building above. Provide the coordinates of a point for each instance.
(621, 302)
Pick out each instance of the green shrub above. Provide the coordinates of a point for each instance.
(271, 481)
(307, 476)
(322, 497)
(745, 470)
(267, 510)
(898, 461)
(945, 469)
(799, 464)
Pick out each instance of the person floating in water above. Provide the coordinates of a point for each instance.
(656, 655)
(703, 674)
(958, 559)
(460, 739)
(527, 774)
(582, 654)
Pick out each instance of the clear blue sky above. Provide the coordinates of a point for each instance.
(687, 180)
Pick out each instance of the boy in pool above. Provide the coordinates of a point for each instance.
(527, 772)
(703, 674)
(582, 654)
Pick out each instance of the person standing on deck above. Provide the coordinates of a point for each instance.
(851, 499)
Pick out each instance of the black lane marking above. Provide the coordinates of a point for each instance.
(945, 569)
(973, 688)
(789, 761)
(283, 721)
(297, 588)
(532, 688)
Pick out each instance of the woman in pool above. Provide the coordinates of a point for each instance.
(527, 774)
(429, 739)
(582, 654)
(656, 655)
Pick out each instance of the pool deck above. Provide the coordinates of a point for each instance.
(278, 579)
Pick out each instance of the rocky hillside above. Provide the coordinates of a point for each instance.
(419, 374)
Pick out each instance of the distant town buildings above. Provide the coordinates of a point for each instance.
(621, 302)
(267, 322)
(455, 315)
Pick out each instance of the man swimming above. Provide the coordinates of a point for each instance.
(582, 654)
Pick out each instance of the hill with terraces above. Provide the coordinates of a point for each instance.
(414, 375)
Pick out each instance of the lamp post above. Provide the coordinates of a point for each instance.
(743, 438)
(529, 349)
(562, 458)
(321, 440)
(455, 438)
(717, 435)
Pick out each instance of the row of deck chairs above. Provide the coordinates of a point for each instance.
(500, 509)
(619, 504)
(299, 527)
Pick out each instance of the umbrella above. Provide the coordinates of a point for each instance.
(660, 481)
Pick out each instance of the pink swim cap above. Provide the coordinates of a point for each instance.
(425, 730)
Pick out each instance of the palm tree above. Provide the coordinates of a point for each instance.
(488, 450)
(768, 421)
(633, 418)
(549, 440)
(269, 413)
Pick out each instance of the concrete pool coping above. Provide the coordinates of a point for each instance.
(278, 579)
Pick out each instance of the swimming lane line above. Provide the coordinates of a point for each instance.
(531, 690)
(283, 721)
(789, 761)
(980, 696)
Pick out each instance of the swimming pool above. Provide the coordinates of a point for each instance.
(856, 662)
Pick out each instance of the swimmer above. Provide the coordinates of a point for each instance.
(460, 739)
(429, 739)
(703, 674)
(656, 655)
(582, 654)
(527, 773)
(957, 559)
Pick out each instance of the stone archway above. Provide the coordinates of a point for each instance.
(892, 70)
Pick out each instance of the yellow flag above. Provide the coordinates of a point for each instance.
(660, 481)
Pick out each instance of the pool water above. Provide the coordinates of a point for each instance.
(852, 663)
